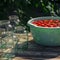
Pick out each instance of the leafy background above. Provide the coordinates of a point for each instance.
(27, 9)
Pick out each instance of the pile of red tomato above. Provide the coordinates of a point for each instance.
(47, 23)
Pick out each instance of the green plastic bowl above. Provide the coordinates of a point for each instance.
(45, 36)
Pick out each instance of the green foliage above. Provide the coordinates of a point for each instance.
(27, 9)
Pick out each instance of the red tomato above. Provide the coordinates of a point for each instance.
(47, 23)
(41, 21)
(56, 21)
(43, 25)
(51, 21)
(39, 24)
(59, 24)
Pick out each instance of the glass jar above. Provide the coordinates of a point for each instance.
(8, 40)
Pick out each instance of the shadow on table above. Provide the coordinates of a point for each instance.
(33, 51)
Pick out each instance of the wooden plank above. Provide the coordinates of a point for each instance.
(36, 52)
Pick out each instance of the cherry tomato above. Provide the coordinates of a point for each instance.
(56, 21)
(47, 23)
(59, 24)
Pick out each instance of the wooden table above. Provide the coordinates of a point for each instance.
(34, 51)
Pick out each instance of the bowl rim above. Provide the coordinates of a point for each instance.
(37, 18)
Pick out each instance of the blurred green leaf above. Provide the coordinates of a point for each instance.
(36, 5)
(27, 8)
